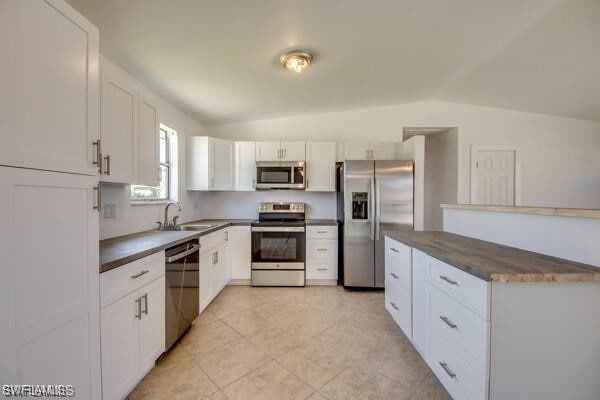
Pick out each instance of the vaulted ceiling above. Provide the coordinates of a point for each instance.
(218, 59)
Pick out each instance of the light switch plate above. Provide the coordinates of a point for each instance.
(110, 210)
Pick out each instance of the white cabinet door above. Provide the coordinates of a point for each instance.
(239, 252)
(49, 280)
(320, 166)
(219, 270)
(221, 154)
(120, 347)
(245, 166)
(49, 80)
(383, 151)
(118, 125)
(268, 151)
(357, 151)
(152, 324)
(420, 302)
(148, 132)
(207, 261)
(293, 151)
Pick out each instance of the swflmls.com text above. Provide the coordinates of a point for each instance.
(38, 390)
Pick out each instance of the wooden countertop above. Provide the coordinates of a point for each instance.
(495, 262)
(548, 211)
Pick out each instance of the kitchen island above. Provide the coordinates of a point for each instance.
(494, 321)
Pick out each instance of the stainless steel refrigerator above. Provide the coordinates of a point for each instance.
(373, 196)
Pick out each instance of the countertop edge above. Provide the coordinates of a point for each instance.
(545, 211)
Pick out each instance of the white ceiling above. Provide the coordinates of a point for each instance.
(217, 59)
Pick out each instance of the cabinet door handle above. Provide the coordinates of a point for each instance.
(217, 253)
(448, 322)
(394, 250)
(448, 370)
(394, 275)
(145, 297)
(144, 272)
(139, 308)
(394, 306)
(227, 236)
(107, 158)
(98, 205)
(321, 249)
(450, 281)
(98, 161)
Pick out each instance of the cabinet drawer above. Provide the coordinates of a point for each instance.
(398, 302)
(397, 250)
(210, 241)
(321, 271)
(321, 250)
(397, 271)
(461, 379)
(123, 280)
(321, 232)
(461, 286)
(461, 327)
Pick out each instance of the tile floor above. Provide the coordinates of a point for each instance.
(316, 343)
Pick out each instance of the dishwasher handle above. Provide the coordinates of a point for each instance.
(178, 256)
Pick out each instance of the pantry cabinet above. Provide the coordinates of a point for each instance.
(49, 80)
(320, 166)
(280, 151)
(210, 164)
(245, 166)
(369, 151)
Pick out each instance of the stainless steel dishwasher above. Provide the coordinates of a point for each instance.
(181, 289)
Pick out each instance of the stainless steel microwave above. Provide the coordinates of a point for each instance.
(280, 175)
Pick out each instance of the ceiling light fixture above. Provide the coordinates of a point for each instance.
(296, 61)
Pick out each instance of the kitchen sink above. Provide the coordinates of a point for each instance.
(195, 227)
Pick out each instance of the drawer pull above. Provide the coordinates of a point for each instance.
(448, 370)
(321, 269)
(321, 231)
(448, 322)
(321, 249)
(394, 250)
(144, 272)
(394, 275)
(450, 281)
(394, 306)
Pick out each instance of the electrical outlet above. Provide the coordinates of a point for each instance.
(110, 210)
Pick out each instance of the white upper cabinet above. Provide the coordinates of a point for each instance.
(245, 166)
(118, 126)
(280, 151)
(149, 125)
(49, 81)
(369, 151)
(320, 166)
(210, 164)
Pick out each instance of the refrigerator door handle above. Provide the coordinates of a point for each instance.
(372, 208)
(377, 211)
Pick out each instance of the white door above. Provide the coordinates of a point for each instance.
(49, 280)
(152, 324)
(268, 151)
(120, 347)
(148, 133)
(293, 151)
(239, 252)
(493, 177)
(49, 87)
(207, 261)
(245, 166)
(221, 153)
(320, 166)
(420, 302)
(357, 151)
(118, 126)
(383, 151)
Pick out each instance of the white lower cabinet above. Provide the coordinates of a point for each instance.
(398, 287)
(239, 252)
(132, 323)
(420, 302)
(321, 255)
(215, 270)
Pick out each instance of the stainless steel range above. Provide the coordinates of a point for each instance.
(279, 245)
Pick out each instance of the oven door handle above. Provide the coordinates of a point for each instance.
(178, 256)
(278, 229)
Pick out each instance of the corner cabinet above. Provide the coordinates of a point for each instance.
(320, 166)
(49, 295)
(49, 81)
(210, 164)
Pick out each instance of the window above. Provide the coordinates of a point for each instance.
(167, 153)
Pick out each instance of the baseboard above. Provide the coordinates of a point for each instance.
(239, 282)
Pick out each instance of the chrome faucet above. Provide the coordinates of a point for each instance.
(172, 225)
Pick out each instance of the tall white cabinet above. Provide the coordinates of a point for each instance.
(49, 81)
(49, 276)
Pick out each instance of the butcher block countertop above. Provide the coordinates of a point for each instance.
(548, 211)
(495, 262)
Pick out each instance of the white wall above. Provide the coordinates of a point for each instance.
(414, 149)
(136, 218)
(441, 176)
(560, 166)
